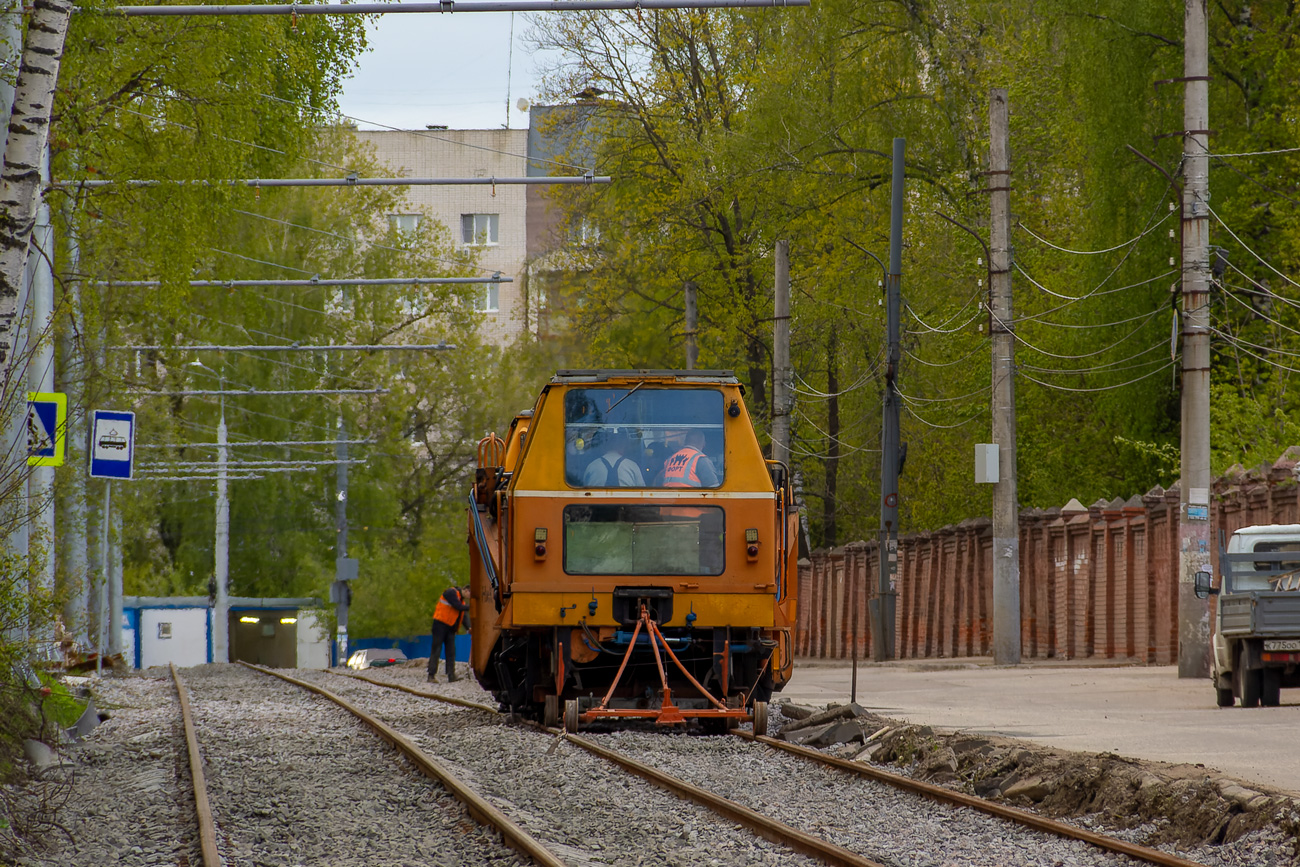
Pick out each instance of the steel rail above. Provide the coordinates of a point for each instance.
(960, 799)
(445, 7)
(207, 828)
(763, 826)
(422, 693)
(479, 808)
(331, 182)
(312, 282)
(278, 347)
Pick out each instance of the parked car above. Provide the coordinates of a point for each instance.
(375, 657)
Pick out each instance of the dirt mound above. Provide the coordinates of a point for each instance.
(1183, 805)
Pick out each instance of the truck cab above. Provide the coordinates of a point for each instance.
(1257, 626)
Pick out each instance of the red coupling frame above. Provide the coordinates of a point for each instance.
(667, 713)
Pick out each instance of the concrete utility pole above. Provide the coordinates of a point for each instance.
(1006, 511)
(73, 537)
(781, 377)
(221, 550)
(692, 325)
(882, 607)
(1194, 497)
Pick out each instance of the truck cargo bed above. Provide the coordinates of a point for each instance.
(1263, 613)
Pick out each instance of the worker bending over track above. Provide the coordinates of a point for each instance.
(447, 618)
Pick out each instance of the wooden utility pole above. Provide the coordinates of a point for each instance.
(1006, 512)
(692, 325)
(1194, 496)
(781, 376)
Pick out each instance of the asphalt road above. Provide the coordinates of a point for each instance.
(1144, 712)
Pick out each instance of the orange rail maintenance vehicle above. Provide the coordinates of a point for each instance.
(633, 555)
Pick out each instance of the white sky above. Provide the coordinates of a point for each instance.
(441, 69)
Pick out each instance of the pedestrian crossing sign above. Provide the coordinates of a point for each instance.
(47, 428)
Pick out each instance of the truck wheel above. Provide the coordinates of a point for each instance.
(551, 712)
(1252, 684)
(1223, 696)
(1270, 694)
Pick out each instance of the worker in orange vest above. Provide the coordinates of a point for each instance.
(447, 617)
(689, 467)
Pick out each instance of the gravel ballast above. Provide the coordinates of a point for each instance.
(295, 780)
(584, 808)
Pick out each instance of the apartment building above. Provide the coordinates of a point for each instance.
(492, 219)
(516, 229)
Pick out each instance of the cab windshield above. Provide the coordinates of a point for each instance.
(643, 437)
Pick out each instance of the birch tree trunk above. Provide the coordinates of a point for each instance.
(20, 184)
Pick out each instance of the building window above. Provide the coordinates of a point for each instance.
(404, 223)
(487, 297)
(479, 228)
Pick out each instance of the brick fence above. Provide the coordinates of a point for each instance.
(1095, 582)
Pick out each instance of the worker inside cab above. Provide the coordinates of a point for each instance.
(689, 467)
(613, 468)
(625, 437)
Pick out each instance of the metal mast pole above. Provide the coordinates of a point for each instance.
(1006, 514)
(883, 605)
(40, 378)
(344, 591)
(781, 357)
(1194, 497)
(221, 549)
(105, 578)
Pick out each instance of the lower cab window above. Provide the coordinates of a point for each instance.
(640, 539)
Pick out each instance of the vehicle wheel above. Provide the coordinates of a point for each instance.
(1224, 696)
(760, 718)
(1270, 694)
(1252, 684)
(551, 712)
(571, 716)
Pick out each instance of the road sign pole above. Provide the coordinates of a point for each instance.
(105, 530)
(112, 456)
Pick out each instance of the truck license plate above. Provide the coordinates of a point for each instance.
(1281, 644)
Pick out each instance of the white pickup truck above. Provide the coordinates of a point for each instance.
(1257, 631)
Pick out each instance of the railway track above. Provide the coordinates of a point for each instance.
(280, 777)
(583, 811)
(1090, 846)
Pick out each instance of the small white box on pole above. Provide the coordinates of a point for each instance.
(986, 463)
